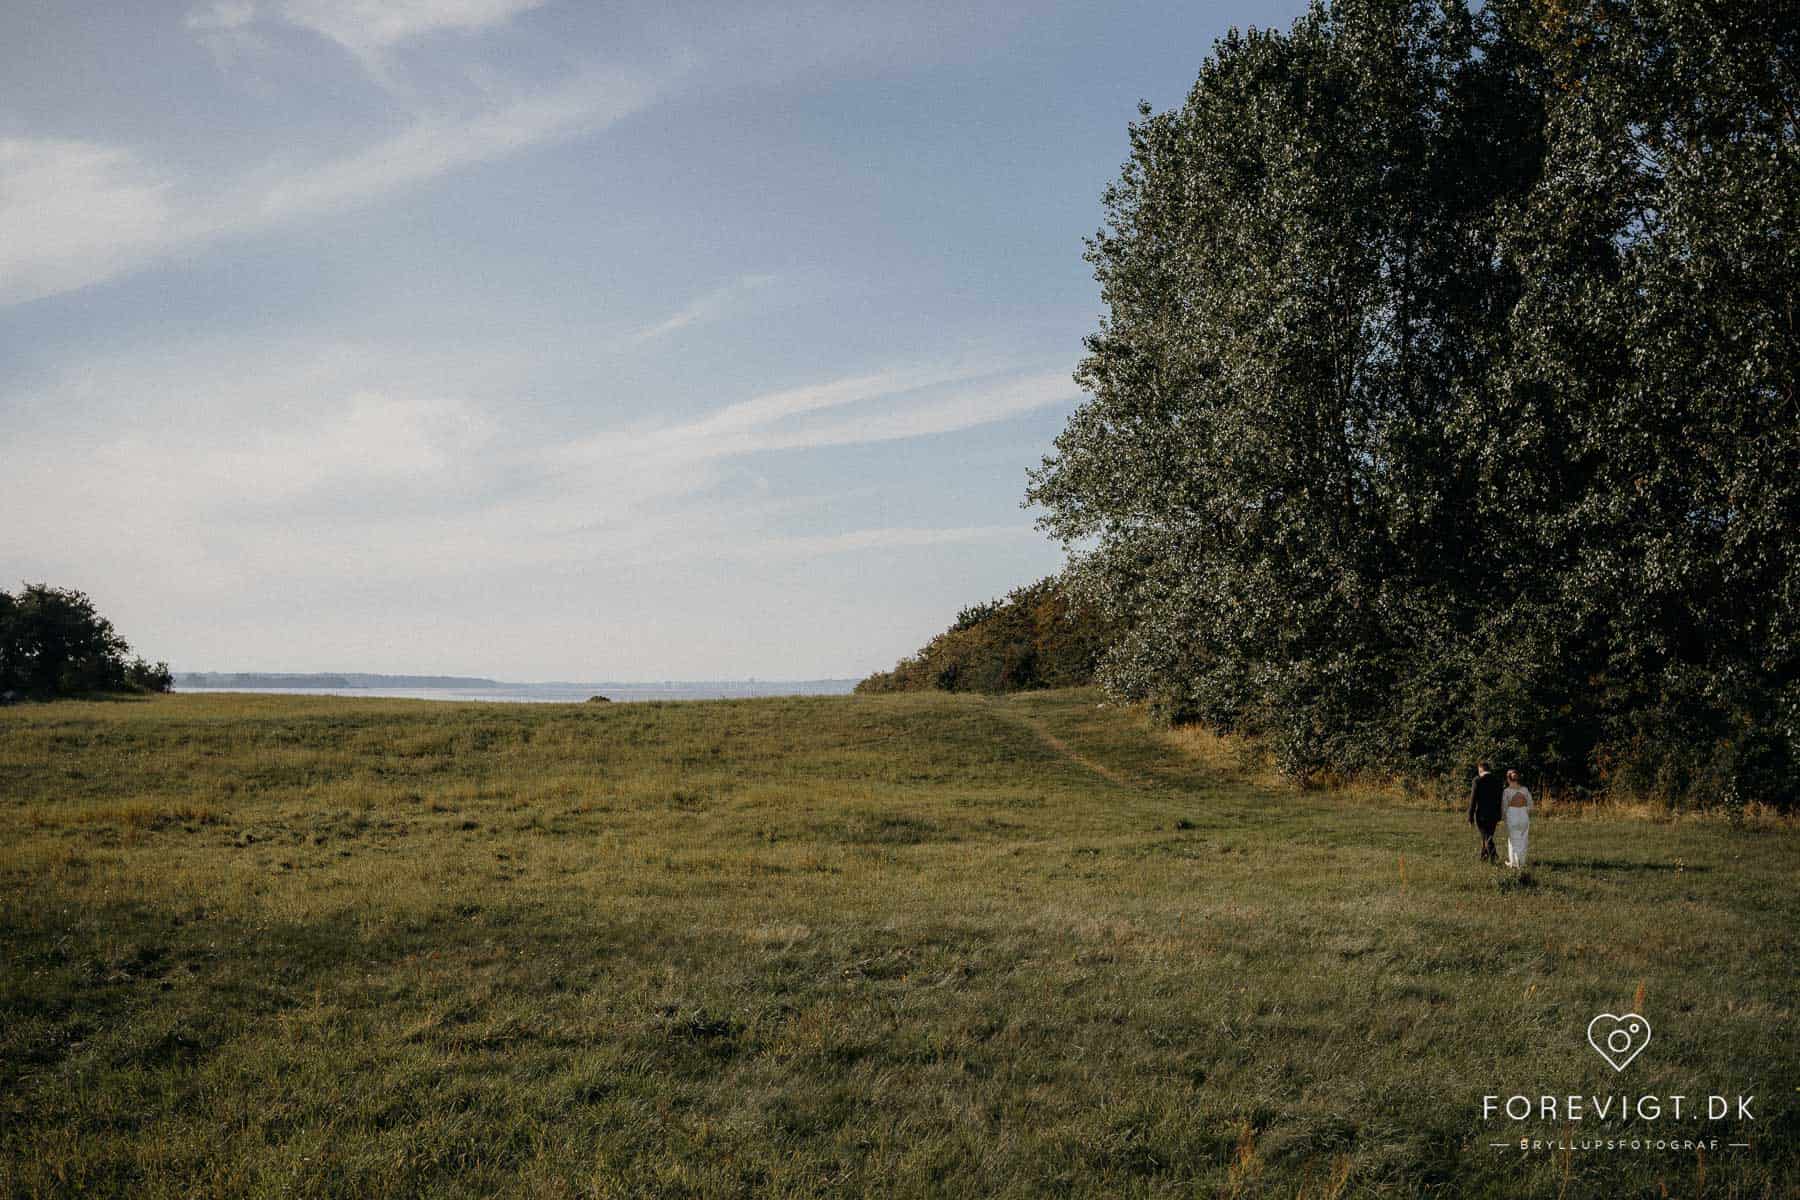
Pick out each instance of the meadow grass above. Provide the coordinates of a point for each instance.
(894, 945)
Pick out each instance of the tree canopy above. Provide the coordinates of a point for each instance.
(53, 642)
(1033, 638)
(1443, 406)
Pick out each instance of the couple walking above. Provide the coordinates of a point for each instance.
(1488, 799)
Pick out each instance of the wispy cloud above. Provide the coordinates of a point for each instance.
(75, 213)
(977, 401)
(341, 462)
(658, 398)
(706, 307)
(373, 437)
(369, 30)
(226, 28)
(377, 24)
(221, 16)
(435, 146)
(899, 403)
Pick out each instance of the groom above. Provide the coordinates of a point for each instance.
(1484, 808)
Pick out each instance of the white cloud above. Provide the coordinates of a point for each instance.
(77, 213)
(371, 437)
(227, 29)
(313, 506)
(338, 460)
(73, 213)
(221, 16)
(975, 403)
(370, 30)
(922, 401)
(364, 26)
(708, 307)
(436, 146)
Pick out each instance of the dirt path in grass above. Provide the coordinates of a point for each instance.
(1063, 748)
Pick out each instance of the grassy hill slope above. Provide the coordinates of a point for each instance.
(907, 945)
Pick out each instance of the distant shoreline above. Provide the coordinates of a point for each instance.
(218, 680)
(492, 691)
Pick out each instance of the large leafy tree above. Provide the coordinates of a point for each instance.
(1413, 314)
(53, 641)
(1301, 283)
(1652, 361)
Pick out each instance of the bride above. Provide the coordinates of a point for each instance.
(1517, 803)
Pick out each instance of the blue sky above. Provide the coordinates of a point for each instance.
(550, 340)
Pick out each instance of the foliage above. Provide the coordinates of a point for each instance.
(1033, 638)
(1444, 402)
(53, 642)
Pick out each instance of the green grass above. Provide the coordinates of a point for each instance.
(897, 945)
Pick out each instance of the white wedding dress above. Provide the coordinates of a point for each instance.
(1518, 824)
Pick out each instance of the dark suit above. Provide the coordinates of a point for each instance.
(1484, 810)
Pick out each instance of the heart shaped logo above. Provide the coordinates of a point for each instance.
(1619, 1039)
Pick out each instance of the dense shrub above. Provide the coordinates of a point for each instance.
(53, 642)
(1034, 638)
(1444, 402)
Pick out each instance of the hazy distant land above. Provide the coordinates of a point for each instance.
(467, 688)
(339, 679)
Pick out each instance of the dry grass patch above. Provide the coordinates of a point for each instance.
(137, 816)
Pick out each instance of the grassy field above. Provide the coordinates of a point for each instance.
(896, 946)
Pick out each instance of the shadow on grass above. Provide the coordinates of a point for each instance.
(1614, 864)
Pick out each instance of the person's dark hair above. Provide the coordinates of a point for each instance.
(1481, 765)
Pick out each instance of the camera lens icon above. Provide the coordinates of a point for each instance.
(1619, 1038)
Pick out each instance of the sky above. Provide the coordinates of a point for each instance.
(545, 339)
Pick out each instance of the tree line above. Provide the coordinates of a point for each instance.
(54, 642)
(1443, 405)
(1034, 637)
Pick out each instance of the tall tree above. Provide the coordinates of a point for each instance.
(1301, 281)
(1652, 366)
(1444, 399)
